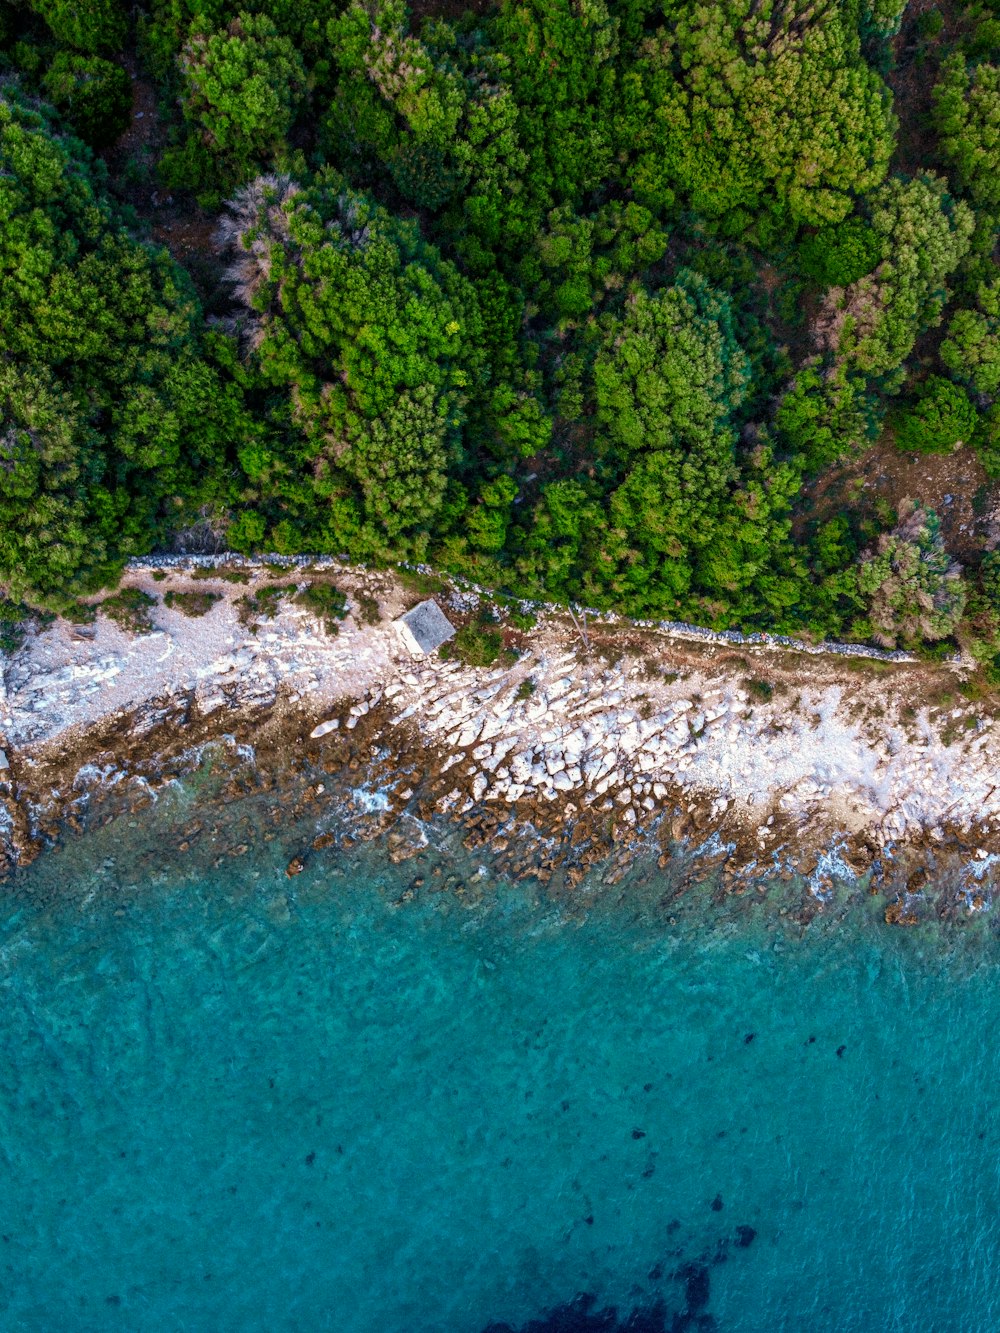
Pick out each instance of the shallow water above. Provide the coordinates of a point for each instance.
(229, 1100)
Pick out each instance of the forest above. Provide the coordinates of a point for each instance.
(684, 310)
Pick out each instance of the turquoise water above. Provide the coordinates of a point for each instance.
(229, 1100)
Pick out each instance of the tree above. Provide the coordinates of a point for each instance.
(109, 414)
(667, 382)
(739, 107)
(376, 342)
(937, 420)
(240, 88)
(825, 416)
(94, 94)
(839, 255)
(562, 57)
(92, 27)
(671, 369)
(971, 350)
(967, 119)
(439, 114)
(912, 588)
(871, 326)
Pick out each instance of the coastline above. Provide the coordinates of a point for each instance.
(816, 770)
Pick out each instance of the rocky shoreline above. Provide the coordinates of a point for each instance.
(583, 749)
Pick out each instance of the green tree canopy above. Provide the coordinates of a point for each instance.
(936, 420)
(94, 94)
(239, 91)
(668, 381)
(971, 350)
(109, 411)
(378, 343)
(967, 119)
(91, 26)
(731, 108)
(872, 325)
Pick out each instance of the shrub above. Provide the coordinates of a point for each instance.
(327, 603)
(13, 624)
(261, 604)
(368, 611)
(228, 573)
(475, 645)
(192, 604)
(129, 609)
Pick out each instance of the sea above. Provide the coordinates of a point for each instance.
(417, 1098)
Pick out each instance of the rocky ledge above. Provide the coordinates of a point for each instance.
(587, 743)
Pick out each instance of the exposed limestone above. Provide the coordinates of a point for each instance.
(591, 741)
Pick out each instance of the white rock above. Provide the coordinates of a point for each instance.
(324, 728)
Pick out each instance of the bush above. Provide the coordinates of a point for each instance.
(938, 419)
(475, 645)
(327, 603)
(13, 624)
(192, 604)
(261, 604)
(129, 609)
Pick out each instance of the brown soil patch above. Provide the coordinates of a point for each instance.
(174, 219)
(954, 485)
